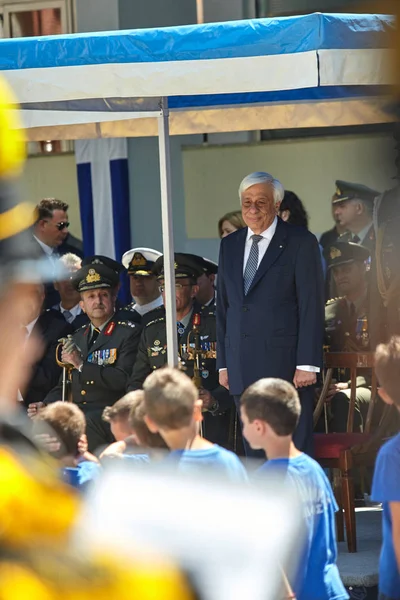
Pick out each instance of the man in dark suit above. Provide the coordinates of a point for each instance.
(49, 231)
(102, 353)
(270, 316)
(48, 327)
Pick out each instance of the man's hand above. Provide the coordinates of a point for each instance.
(83, 444)
(206, 398)
(34, 408)
(223, 378)
(72, 358)
(303, 378)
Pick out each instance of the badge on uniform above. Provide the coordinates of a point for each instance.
(205, 374)
(103, 357)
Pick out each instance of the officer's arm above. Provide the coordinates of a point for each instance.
(113, 377)
(141, 367)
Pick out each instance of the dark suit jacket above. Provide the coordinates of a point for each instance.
(104, 376)
(279, 324)
(50, 327)
(79, 321)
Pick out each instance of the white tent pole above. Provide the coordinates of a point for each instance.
(167, 233)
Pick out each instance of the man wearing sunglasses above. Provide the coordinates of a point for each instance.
(50, 230)
(152, 352)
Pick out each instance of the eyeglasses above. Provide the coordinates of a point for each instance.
(178, 286)
(62, 225)
(260, 204)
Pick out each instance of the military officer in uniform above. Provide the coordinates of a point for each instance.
(347, 327)
(101, 353)
(196, 330)
(206, 281)
(144, 286)
(353, 206)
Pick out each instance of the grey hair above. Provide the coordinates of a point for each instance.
(261, 177)
(71, 261)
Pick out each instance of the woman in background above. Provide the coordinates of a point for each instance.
(230, 222)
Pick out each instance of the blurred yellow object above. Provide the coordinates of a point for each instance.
(34, 505)
(12, 140)
(37, 515)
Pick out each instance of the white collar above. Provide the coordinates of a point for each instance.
(142, 309)
(363, 233)
(47, 249)
(30, 326)
(267, 234)
(75, 310)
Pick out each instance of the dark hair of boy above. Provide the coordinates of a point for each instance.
(169, 398)
(120, 410)
(145, 437)
(274, 401)
(387, 367)
(64, 420)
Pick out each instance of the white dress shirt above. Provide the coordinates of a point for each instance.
(263, 244)
(142, 309)
(29, 329)
(75, 311)
(46, 249)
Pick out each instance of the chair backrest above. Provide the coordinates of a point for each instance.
(351, 361)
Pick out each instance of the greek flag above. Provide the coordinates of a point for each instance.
(103, 184)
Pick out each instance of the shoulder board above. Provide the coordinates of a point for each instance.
(207, 312)
(85, 326)
(159, 320)
(127, 324)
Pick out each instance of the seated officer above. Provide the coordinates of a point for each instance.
(347, 327)
(101, 353)
(152, 353)
(145, 290)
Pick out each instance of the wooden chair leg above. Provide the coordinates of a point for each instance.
(349, 509)
(337, 490)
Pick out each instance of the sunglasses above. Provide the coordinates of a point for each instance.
(62, 225)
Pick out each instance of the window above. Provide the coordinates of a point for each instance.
(33, 18)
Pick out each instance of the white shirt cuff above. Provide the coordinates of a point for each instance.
(308, 368)
(223, 369)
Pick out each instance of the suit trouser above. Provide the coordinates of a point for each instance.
(303, 435)
(340, 403)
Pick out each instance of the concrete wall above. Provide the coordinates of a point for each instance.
(53, 176)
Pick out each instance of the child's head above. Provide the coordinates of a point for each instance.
(387, 367)
(145, 438)
(64, 421)
(269, 408)
(170, 400)
(118, 416)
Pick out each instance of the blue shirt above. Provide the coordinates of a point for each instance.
(318, 576)
(213, 459)
(385, 489)
(80, 476)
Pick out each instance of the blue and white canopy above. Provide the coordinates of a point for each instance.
(314, 70)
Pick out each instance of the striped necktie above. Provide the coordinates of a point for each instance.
(356, 239)
(252, 263)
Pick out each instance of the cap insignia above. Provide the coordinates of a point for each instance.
(338, 191)
(138, 260)
(335, 253)
(92, 276)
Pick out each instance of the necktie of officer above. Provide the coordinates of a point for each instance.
(352, 311)
(356, 239)
(95, 335)
(68, 316)
(180, 328)
(252, 263)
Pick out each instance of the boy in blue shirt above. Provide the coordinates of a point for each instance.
(173, 409)
(386, 482)
(270, 410)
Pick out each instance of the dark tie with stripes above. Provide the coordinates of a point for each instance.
(252, 263)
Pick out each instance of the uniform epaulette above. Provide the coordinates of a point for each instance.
(127, 324)
(82, 327)
(159, 320)
(208, 312)
(333, 300)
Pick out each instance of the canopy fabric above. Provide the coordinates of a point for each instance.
(314, 70)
